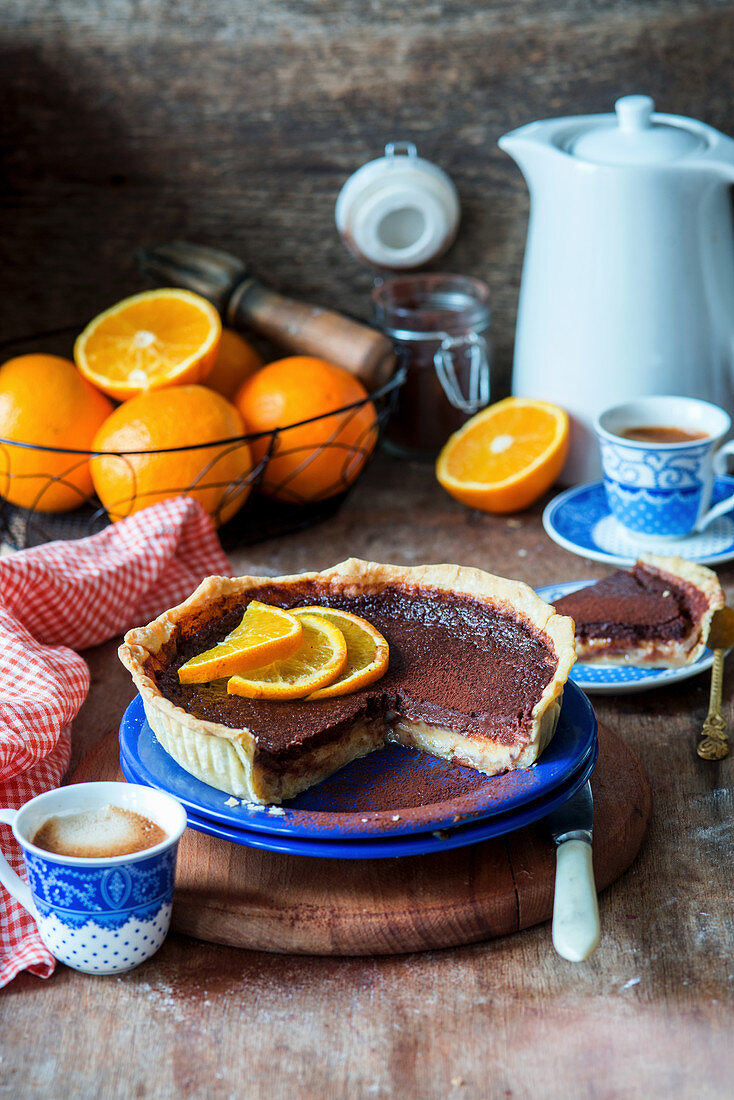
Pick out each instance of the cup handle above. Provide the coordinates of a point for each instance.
(14, 883)
(724, 506)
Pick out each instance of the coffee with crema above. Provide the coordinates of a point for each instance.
(98, 834)
(654, 433)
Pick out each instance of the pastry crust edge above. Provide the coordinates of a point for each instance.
(702, 578)
(224, 757)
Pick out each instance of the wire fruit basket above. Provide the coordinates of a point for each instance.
(242, 512)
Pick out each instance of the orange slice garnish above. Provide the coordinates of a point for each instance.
(319, 660)
(368, 653)
(265, 634)
(158, 338)
(506, 456)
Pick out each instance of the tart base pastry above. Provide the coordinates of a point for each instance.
(656, 614)
(477, 669)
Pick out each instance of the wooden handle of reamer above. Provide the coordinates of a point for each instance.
(310, 330)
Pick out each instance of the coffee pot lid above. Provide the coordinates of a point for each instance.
(634, 136)
(399, 211)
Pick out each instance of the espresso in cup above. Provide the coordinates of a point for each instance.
(99, 833)
(100, 862)
(655, 433)
(660, 456)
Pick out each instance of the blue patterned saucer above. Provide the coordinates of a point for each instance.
(579, 520)
(613, 680)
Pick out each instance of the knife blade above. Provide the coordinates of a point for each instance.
(575, 926)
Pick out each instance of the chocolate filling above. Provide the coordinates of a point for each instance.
(639, 605)
(454, 662)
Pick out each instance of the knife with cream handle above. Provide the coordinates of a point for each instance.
(575, 927)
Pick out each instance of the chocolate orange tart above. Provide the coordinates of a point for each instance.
(656, 614)
(476, 675)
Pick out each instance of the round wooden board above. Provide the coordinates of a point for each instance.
(231, 894)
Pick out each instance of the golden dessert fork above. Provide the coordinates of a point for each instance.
(714, 743)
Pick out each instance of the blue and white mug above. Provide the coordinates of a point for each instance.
(663, 490)
(101, 915)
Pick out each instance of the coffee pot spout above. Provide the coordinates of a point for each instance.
(533, 147)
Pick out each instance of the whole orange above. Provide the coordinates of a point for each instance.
(45, 401)
(236, 360)
(316, 460)
(155, 422)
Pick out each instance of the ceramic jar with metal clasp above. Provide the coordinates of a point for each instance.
(439, 325)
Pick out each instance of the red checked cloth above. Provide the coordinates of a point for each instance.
(58, 598)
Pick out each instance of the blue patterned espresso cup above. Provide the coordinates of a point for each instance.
(660, 456)
(107, 913)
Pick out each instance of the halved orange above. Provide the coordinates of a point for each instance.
(319, 660)
(506, 456)
(265, 634)
(158, 338)
(368, 653)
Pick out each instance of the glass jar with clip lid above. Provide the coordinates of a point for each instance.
(398, 213)
(439, 325)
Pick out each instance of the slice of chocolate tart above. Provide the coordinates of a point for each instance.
(476, 675)
(656, 614)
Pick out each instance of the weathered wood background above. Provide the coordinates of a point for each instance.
(235, 123)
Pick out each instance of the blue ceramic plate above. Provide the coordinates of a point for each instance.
(579, 520)
(624, 679)
(389, 846)
(367, 797)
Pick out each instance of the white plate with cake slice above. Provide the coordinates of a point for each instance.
(621, 679)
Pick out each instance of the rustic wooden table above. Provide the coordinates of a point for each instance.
(650, 1014)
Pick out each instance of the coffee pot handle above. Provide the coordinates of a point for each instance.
(12, 882)
(724, 506)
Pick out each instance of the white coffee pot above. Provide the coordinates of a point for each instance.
(628, 279)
